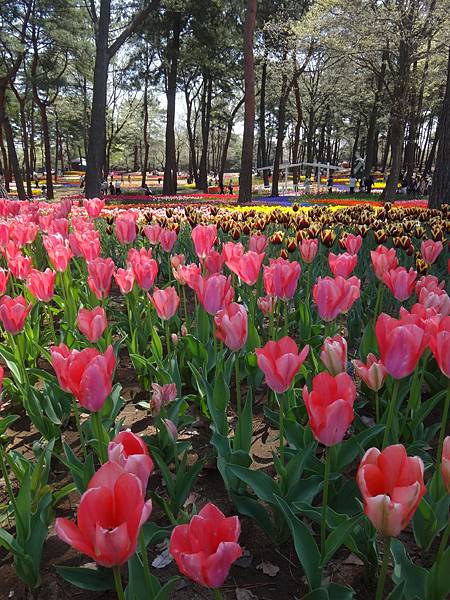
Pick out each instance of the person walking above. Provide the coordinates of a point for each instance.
(352, 184)
(330, 184)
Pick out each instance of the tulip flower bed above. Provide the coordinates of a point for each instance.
(222, 402)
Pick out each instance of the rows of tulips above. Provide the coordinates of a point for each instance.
(335, 324)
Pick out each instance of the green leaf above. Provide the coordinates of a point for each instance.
(368, 341)
(263, 485)
(96, 580)
(397, 592)
(404, 570)
(6, 422)
(340, 592)
(320, 594)
(243, 436)
(156, 345)
(438, 580)
(305, 545)
(338, 536)
(425, 525)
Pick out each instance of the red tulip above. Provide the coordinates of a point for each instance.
(427, 319)
(214, 292)
(167, 239)
(13, 312)
(231, 253)
(100, 273)
(281, 278)
(392, 486)
(125, 280)
(258, 243)
(383, 260)
(94, 207)
(145, 268)
(334, 354)
(129, 451)
(19, 265)
(213, 263)
(352, 243)
(152, 233)
(335, 296)
(165, 302)
(342, 264)
(109, 517)
(308, 249)
(445, 463)
(86, 374)
(373, 373)
(249, 266)
(430, 250)
(401, 282)
(205, 549)
(440, 346)
(92, 323)
(266, 304)
(4, 276)
(41, 284)
(280, 362)
(232, 326)
(401, 345)
(330, 406)
(162, 395)
(204, 237)
(126, 227)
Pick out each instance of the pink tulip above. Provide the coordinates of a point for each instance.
(400, 282)
(430, 283)
(427, 319)
(440, 346)
(126, 228)
(401, 345)
(392, 487)
(87, 374)
(167, 239)
(335, 296)
(153, 233)
(353, 243)
(162, 395)
(232, 326)
(342, 264)
(187, 274)
(437, 299)
(92, 323)
(4, 276)
(281, 278)
(249, 266)
(213, 263)
(430, 250)
(204, 237)
(373, 373)
(23, 232)
(60, 226)
(171, 429)
(100, 273)
(266, 304)
(145, 268)
(231, 253)
(165, 302)
(334, 354)
(89, 244)
(94, 207)
(280, 362)
(258, 243)
(41, 284)
(176, 260)
(308, 249)
(125, 280)
(205, 549)
(330, 406)
(109, 517)
(20, 266)
(58, 251)
(214, 292)
(383, 260)
(13, 312)
(129, 451)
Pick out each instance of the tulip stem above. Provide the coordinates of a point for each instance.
(377, 408)
(217, 594)
(384, 568)
(97, 427)
(167, 336)
(238, 386)
(186, 315)
(444, 421)
(147, 575)
(286, 318)
(323, 522)
(391, 412)
(12, 498)
(378, 302)
(118, 583)
(280, 401)
(443, 544)
(76, 412)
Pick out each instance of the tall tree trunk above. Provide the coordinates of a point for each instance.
(262, 150)
(245, 184)
(440, 191)
(145, 129)
(206, 122)
(26, 153)
(280, 137)
(12, 161)
(432, 153)
(4, 161)
(97, 129)
(47, 149)
(298, 125)
(373, 117)
(226, 144)
(191, 138)
(355, 146)
(410, 148)
(170, 167)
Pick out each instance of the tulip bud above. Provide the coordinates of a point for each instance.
(334, 354)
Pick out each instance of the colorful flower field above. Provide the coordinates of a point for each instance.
(210, 401)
